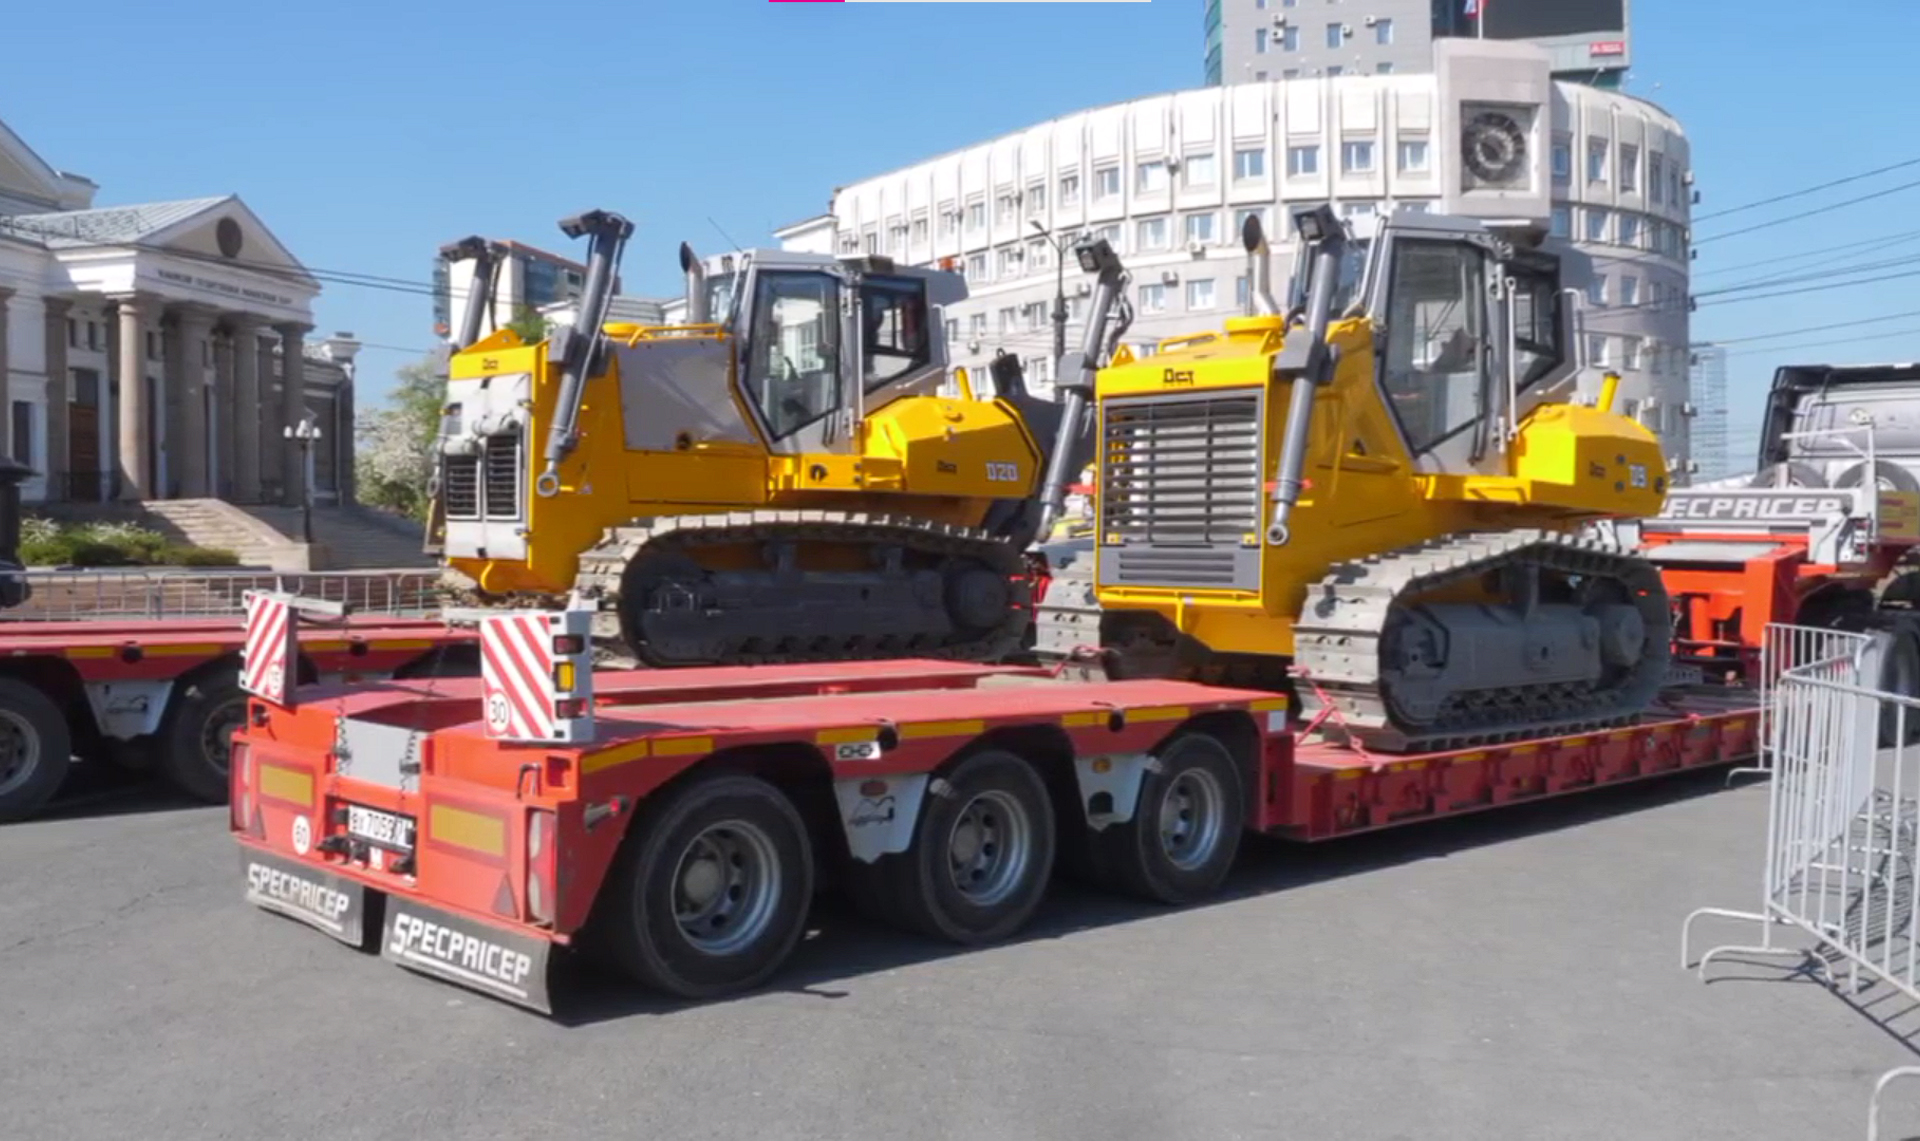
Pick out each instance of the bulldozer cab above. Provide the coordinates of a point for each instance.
(822, 342)
(1469, 335)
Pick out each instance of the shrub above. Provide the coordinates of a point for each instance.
(47, 551)
(182, 556)
(34, 529)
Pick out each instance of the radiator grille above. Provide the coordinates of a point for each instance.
(460, 486)
(1181, 472)
(503, 476)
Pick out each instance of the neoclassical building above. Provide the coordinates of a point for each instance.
(159, 350)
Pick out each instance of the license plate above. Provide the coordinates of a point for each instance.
(382, 828)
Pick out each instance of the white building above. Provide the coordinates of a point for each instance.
(527, 279)
(198, 301)
(1169, 179)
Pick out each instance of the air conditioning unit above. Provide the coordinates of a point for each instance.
(973, 346)
(1346, 29)
(1687, 408)
(1196, 248)
(1372, 20)
(1686, 179)
(1169, 277)
(1082, 289)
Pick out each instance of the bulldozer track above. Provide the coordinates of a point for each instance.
(1338, 639)
(603, 576)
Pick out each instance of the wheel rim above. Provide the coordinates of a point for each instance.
(1190, 819)
(19, 751)
(726, 887)
(216, 740)
(989, 848)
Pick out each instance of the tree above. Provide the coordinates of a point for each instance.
(395, 443)
(531, 326)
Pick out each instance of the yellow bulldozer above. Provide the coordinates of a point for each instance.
(1376, 498)
(777, 478)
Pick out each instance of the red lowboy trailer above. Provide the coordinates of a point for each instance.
(678, 823)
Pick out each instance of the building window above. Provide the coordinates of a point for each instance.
(1417, 206)
(1673, 185)
(1200, 228)
(1383, 68)
(949, 221)
(1356, 157)
(23, 430)
(73, 333)
(1007, 260)
(1151, 176)
(976, 267)
(1304, 160)
(1249, 163)
(1039, 254)
(1198, 170)
(1200, 295)
(977, 325)
(1290, 38)
(1629, 289)
(1036, 199)
(1290, 73)
(976, 216)
(1562, 160)
(1260, 41)
(1333, 35)
(1597, 290)
(1006, 208)
(1069, 190)
(1033, 314)
(1563, 221)
(1260, 76)
(1240, 288)
(1153, 298)
(1152, 233)
(953, 331)
(1596, 160)
(1106, 182)
(1335, 70)
(1240, 219)
(920, 229)
(1383, 31)
(870, 241)
(1629, 168)
(1006, 320)
(1630, 353)
(1109, 233)
(1630, 230)
(1413, 156)
(1596, 224)
(1656, 178)
(1597, 349)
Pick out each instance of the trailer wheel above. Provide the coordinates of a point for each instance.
(1185, 830)
(981, 857)
(711, 894)
(36, 749)
(196, 740)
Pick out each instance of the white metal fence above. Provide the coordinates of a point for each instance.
(1838, 890)
(150, 594)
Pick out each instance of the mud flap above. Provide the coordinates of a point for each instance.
(334, 905)
(474, 955)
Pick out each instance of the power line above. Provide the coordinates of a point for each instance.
(1803, 193)
(1777, 349)
(1828, 209)
(1814, 288)
(1799, 277)
(1823, 251)
(1813, 329)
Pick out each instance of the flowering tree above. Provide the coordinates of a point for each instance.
(394, 444)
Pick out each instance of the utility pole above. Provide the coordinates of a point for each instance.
(304, 436)
(1059, 297)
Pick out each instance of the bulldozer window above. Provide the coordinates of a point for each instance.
(1536, 323)
(893, 324)
(793, 348)
(1436, 339)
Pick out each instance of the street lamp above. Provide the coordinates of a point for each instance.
(305, 433)
(1059, 294)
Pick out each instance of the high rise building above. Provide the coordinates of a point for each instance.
(1707, 378)
(1252, 40)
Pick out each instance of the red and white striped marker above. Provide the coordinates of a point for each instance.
(266, 654)
(536, 676)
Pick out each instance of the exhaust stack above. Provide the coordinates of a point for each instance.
(1260, 299)
(581, 347)
(698, 307)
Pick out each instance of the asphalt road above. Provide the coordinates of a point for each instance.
(1511, 977)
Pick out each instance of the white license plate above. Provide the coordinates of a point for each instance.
(382, 828)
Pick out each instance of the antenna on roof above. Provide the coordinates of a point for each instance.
(728, 238)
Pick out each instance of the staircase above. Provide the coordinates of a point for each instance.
(355, 538)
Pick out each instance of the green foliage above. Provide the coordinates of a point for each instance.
(46, 542)
(530, 326)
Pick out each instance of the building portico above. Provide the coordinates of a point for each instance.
(158, 350)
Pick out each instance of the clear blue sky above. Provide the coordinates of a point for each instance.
(367, 134)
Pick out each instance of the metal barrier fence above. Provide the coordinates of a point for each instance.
(151, 594)
(1784, 648)
(1843, 824)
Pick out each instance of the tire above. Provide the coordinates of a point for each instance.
(1797, 475)
(1888, 476)
(196, 738)
(716, 825)
(991, 816)
(1186, 826)
(36, 749)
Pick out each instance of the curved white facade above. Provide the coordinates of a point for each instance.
(1167, 179)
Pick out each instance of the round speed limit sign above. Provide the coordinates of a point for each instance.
(497, 713)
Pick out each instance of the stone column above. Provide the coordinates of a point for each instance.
(187, 432)
(6, 388)
(293, 393)
(244, 412)
(135, 447)
(57, 423)
(266, 415)
(220, 479)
